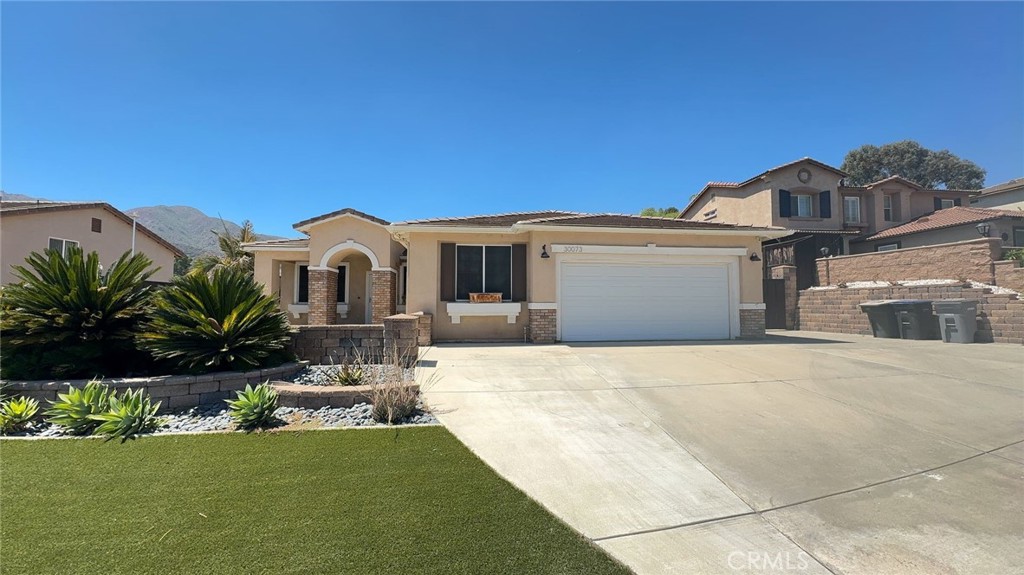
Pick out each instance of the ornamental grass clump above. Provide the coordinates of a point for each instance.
(65, 317)
(75, 410)
(127, 416)
(215, 322)
(393, 396)
(349, 372)
(254, 407)
(16, 414)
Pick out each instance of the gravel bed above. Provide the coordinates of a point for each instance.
(215, 417)
(321, 374)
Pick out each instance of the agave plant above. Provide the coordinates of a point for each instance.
(16, 413)
(66, 317)
(76, 409)
(217, 321)
(254, 407)
(129, 415)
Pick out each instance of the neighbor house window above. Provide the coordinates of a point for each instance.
(480, 269)
(61, 246)
(851, 209)
(97, 225)
(887, 247)
(1018, 237)
(802, 206)
(302, 283)
(946, 203)
(887, 213)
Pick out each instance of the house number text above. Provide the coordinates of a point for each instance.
(572, 249)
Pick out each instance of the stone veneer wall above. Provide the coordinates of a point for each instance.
(969, 260)
(1000, 316)
(542, 325)
(173, 391)
(384, 294)
(1009, 274)
(752, 323)
(323, 344)
(425, 328)
(323, 297)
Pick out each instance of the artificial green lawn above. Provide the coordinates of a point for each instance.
(411, 500)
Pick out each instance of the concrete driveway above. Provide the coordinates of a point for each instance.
(809, 453)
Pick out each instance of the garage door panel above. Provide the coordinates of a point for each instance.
(621, 301)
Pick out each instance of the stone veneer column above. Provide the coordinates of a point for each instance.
(542, 325)
(752, 323)
(323, 297)
(384, 294)
(788, 275)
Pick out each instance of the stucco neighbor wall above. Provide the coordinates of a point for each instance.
(961, 260)
(22, 234)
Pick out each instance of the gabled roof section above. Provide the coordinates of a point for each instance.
(947, 218)
(895, 179)
(1015, 184)
(488, 221)
(20, 207)
(306, 224)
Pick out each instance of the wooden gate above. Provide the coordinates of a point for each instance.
(774, 304)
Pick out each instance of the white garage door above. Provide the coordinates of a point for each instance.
(678, 299)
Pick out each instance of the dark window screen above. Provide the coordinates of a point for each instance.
(468, 271)
(342, 272)
(498, 270)
(303, 296)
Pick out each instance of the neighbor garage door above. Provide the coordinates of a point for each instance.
(678, 298)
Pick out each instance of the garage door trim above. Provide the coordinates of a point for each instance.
(696, 256)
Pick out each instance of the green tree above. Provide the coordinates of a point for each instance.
(669, 212)
(182, 265)
(232, 255)
(911, 160)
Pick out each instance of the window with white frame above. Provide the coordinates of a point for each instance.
(887, 247)
(947, 203)
(802, 205)
(887, 213)
(302, 283)
(483, 269)
(851, 209)
(61, 245)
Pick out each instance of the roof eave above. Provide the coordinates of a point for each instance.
(767, 233)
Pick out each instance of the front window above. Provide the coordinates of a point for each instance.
(801, 206)
(947, 203)
(887, 208)
(483, 269)
(61, 246)
(851, 209)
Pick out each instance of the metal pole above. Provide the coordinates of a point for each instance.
(133, 236)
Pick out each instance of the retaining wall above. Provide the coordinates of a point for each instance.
(324, 344)
(969, 260)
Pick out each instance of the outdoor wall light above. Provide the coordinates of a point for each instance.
(824, 252)
(754, 257)
(984, 228)
(544, 251)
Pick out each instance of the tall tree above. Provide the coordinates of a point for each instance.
(232, 255)
(669, 212)
(928, 168)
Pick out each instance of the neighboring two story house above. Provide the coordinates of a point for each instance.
(34, 226)
(1004, 196)
(826, 217)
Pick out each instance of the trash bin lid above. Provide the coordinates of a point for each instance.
(912, 303)
(876, 303)
(958, 305)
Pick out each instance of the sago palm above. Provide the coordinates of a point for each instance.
(217, 321)
(66, 317)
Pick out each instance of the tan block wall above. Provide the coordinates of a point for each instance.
(1000, 317)
(962, 260)
(1009, 274)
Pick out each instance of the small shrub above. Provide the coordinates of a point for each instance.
(254, 407)
(220, 321)
(17, 413)
(67, 318)
(129, 415)
(1016, 254)
(393, 397)
(75, 409)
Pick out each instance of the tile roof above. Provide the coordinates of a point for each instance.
(947, 218)
(20, 207)
(337, 213)
(628, 221)
(493, 220)
(286, 243)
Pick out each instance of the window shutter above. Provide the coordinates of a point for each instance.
(785, 209)
(518, 272)
(956, 202)
(447, 272)
(825, 204)
(938, 204)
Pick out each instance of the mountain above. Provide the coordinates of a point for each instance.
(186, 227)
(16, 197)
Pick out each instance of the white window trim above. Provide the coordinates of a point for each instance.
(483, 270)
(887, 213)
(511, 310)
(63, 245)
(295, 293)
(847, 213)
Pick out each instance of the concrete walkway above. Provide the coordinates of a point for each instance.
(808, 452)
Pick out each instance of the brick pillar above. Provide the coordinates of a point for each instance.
(788, 275)
(752, 323)
(323, 297)
(384, 294)
(542, 325)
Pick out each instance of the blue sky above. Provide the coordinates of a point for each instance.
(278, 112)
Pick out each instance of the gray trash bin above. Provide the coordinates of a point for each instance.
(882, 318)
(915, 319)
(958, 319)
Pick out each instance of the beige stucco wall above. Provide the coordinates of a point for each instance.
(1012, 200)
(325, 235)
(22, 234)
(424, 270)
(923, 202)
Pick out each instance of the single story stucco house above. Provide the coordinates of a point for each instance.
(546, 276)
